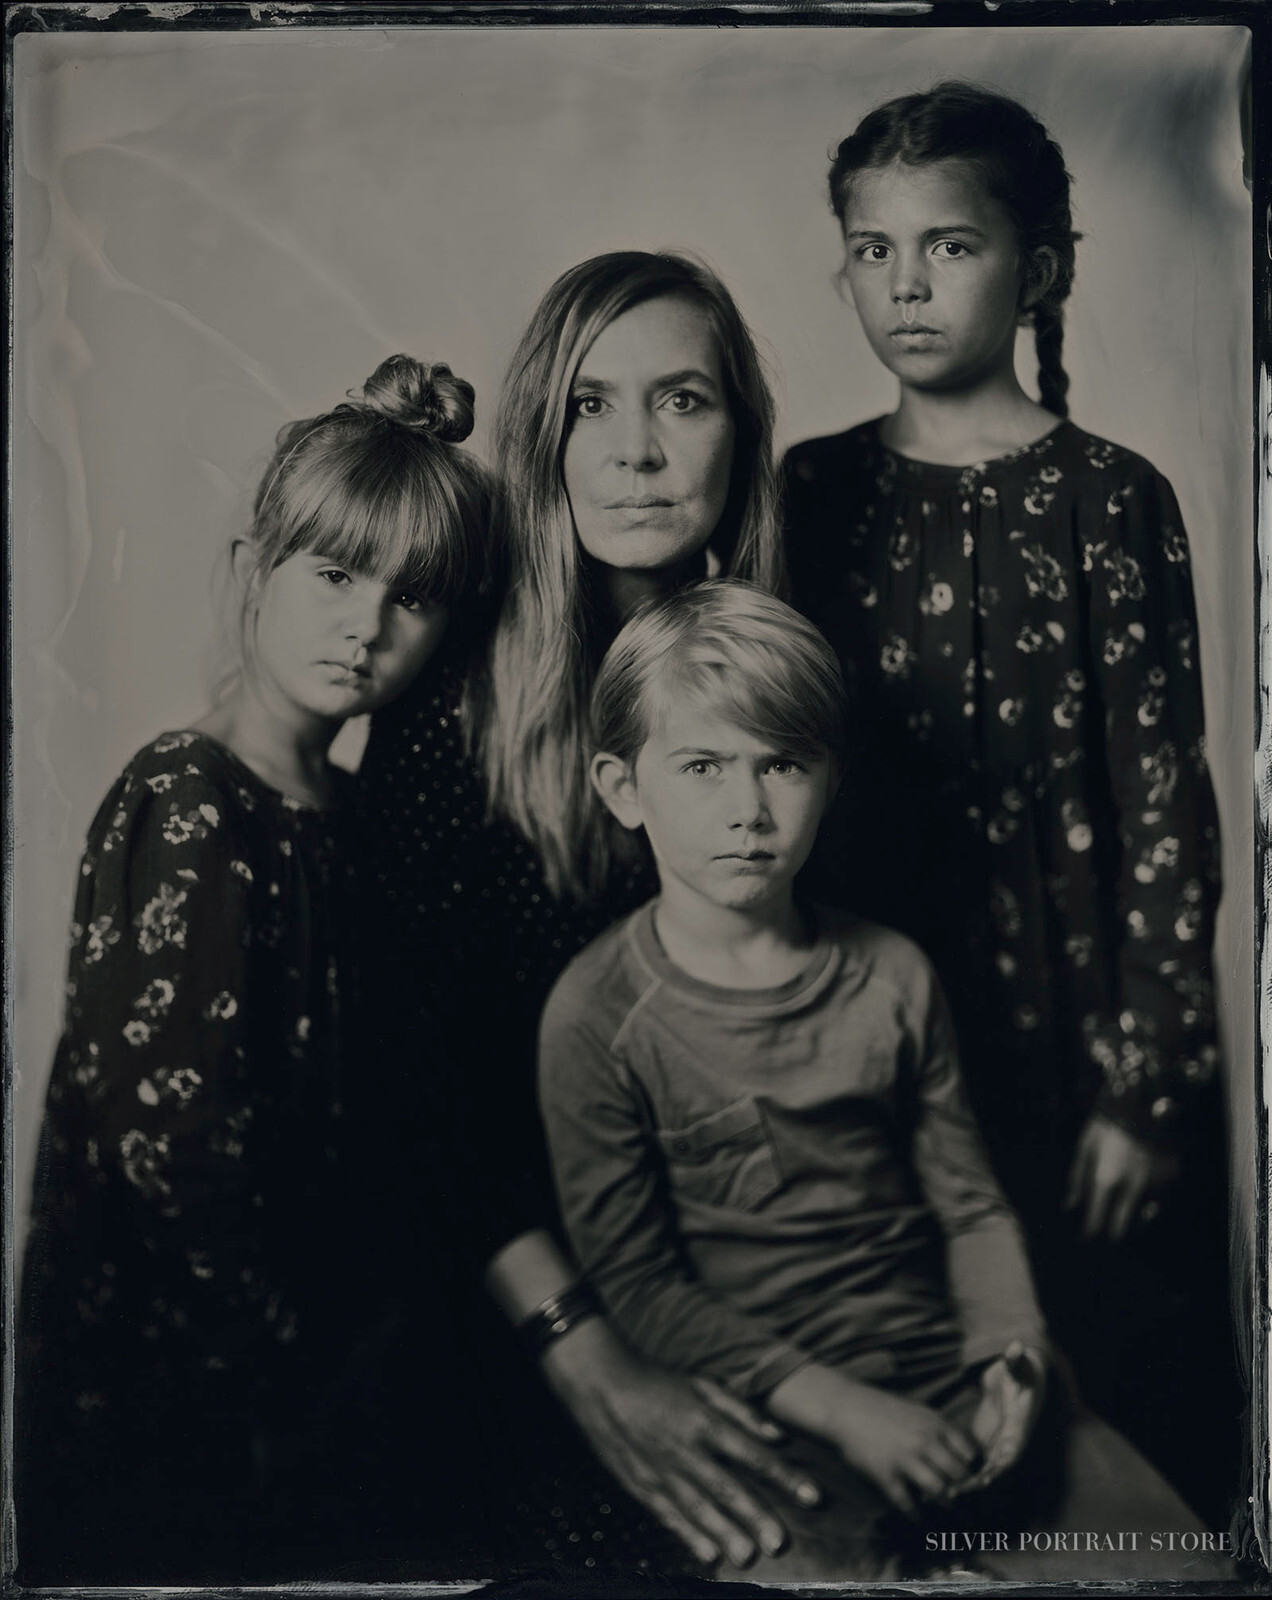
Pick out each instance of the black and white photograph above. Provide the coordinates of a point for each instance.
(633, 860)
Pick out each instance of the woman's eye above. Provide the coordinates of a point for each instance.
(587, 405)
(684, 401)
(408, 600)
(336, 576)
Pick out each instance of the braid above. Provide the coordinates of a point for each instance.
(1053, 380)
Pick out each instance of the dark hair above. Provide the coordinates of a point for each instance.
(1021, 166)
(379, 484)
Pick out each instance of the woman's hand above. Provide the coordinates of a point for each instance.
(670, 1441)
(1012, 1391)
(1113, 1177)
(903, 1447)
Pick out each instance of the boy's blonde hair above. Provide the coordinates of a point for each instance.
(743, 653)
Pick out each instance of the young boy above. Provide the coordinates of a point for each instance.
(764, 1156)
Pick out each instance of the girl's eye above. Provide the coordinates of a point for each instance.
(951, 249)
(587, 405)
(336, 576)
(873, 252)
(408, 600)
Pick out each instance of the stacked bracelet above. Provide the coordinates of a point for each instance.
(557, 1315)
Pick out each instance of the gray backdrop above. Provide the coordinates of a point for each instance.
(217, 233)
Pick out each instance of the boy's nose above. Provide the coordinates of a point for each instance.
(750, 810)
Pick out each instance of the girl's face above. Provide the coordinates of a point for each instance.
(650, 445)
(335, 643)
(934, 269)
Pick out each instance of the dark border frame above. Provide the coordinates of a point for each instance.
(1251, 1275)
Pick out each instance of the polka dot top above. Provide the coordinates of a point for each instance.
(467, 941)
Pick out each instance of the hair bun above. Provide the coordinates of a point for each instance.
(428, 399)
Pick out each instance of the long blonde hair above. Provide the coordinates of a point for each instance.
(532, 732)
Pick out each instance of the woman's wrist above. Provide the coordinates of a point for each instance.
(558, 1314)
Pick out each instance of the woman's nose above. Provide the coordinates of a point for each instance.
(637, 446)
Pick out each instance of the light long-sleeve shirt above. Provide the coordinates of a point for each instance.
(756, 1178)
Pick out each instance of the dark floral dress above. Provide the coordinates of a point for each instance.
(177, 1325)
(1028, 793)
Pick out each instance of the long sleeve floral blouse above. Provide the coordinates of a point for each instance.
(1029, 794)
(189, 1166)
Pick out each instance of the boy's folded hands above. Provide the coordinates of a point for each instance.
(1012, 1391)
(908, 1450)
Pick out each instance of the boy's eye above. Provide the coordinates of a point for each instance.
(873, 252)
(699, 769)
(785, 766)
(587, 405)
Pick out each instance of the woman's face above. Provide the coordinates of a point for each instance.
(649, 451)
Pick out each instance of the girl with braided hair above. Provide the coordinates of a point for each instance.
(1011, 597)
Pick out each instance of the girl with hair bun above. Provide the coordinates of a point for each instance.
(187, 1299)
(1030, 798)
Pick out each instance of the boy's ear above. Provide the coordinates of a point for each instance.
(615, 782)
(1041, 270)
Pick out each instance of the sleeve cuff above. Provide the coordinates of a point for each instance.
(772, 1369)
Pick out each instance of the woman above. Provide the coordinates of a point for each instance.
(634, 441)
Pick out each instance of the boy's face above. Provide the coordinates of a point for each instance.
(731, 818)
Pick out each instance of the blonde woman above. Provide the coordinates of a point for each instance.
(634, 440)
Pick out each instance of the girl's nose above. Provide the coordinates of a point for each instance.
(909, 280)
(637, 446)
(365, 621)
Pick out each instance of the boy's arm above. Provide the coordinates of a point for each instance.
(986, 1263)
(618, 1212)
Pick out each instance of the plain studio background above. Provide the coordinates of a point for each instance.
(217, 233)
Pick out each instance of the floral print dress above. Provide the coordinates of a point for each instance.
(185, 1213)
(1029, 793)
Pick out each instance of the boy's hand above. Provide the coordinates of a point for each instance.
(1012, 1391)
(906, 1449)
(1112, 1176)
